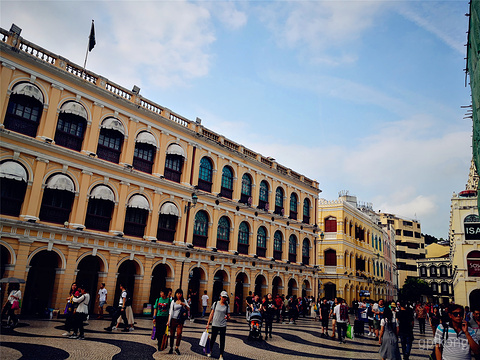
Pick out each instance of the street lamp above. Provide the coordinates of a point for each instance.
(192, 203)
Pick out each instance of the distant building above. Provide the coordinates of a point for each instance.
(436, 271)
(464, 235)
(409, 242)
(99, 184)
(354, 251)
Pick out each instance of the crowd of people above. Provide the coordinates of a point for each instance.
(455, 329)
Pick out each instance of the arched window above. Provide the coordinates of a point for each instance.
(263, 196)
(378, 269)
(205, 174)
(293, 206)
(434, 287)
(473, 263)
(243, 236)
(292, 248)
(277, 245)
(100, 208)
(57, 199)
(279, 210)
(246, 193)
(136, 216)
(167, 222)
(24, 109)
(71, 125)
(331, 224)
(174, 162)
(223, 233)
(306, 211)
(144, 153)
(444, 287)
(423, 271)
(200, 229)
(306, 252)
(13, 185)
(471, 218)
(433, 270)
(261, 241)
(227, 182)
(443, 270)
(330, 257)
(110, 140)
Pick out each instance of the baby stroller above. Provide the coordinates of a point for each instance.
(255, 323)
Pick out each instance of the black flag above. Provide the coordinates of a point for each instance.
(91, 38)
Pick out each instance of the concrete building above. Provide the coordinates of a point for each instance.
(99, 184)
(436, 270)
(464, 236)
(354, 251)
(410, 244)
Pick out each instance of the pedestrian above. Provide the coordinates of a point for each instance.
(248, 303)
(256, 304)
(205, 299)
(342, 319)
(406, 323)
(69, 310)
(285, 308)
(388, 339)
(102, 300)
(333, 317)
(120, 312)
(14, 296)
(455, 340)
(324, 316)
(269, 309)
(434, 319)
(176, 319)
(421, 312)
(378, 309)
(218, 317)
(161, 311)
(293, 309)
(80, 313)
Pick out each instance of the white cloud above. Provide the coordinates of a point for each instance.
(228, 14)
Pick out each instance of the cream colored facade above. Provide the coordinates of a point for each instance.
(104, 183)
(354, 254)
(410, 244)
(465, 243)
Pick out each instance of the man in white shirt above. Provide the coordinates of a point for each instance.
(204, 302)
(341, 315)
(102, 299)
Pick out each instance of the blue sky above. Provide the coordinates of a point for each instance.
(362, 96)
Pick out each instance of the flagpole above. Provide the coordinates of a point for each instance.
(90, 45)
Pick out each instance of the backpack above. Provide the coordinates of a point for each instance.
(369, 311)
(343, 312)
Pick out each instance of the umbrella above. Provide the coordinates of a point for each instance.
(12, 280)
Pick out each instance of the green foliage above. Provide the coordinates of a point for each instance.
(413, 289)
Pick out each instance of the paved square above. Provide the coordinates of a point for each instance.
(42, 339)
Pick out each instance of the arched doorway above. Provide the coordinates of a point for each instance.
(159, 282)
(87, 276)
(330, 291)
(194, 278)
(40, 283)
(305, 288)
(218, 279)
(4, 261)
(240, 282)
(292, 287)
(126, 276)
(475, 299)
(260, 283)
(276, 285)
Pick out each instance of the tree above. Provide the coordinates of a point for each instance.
(413, 289)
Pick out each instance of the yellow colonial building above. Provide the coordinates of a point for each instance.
(464, 236)
(354, 251)
(99, 184)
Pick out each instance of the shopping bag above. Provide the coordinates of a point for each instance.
(15, 305)
(350, 333)
(154, 332)
(164, 343)
(203, 339)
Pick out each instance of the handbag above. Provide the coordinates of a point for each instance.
(15, 305)
(164, 342)
(154, 332)
(183, 315)
(203, 339)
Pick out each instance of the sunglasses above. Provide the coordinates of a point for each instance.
(457, 314)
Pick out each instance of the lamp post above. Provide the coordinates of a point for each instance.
(190, 205)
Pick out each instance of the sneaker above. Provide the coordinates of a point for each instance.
(131, 329)
(177, 351)
(209, 355)
(221, 357)
(115, 328)
(170, 351)
(81, 337)
(340, 342)
(68, 333)
(73, 336)
(291, 322)
(369, 333)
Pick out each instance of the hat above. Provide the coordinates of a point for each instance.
(393, 305)
(224, 294)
